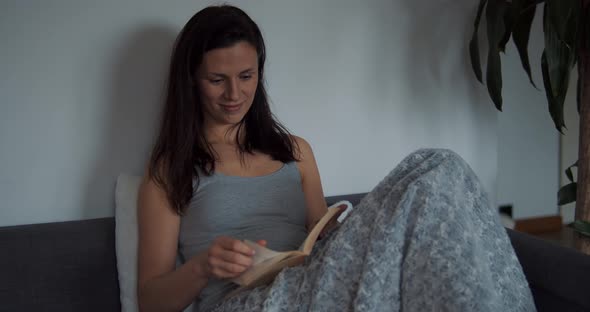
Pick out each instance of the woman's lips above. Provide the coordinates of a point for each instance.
(231, 108)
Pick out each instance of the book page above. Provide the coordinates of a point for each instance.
(261, 253)
(268, 272)
(317, 229)
(267, 263)
(270, 266)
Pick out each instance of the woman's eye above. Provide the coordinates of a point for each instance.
(215, 81)
(246, 77)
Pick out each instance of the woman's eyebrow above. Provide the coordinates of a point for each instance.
(249, 70)
(246, 71)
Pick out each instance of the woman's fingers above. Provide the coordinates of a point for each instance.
(225, 269)
(261, 243)
(234, 251)
(229, 257)
(235, 258)
(235, 245)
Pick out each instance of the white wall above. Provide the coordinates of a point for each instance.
(365, 82)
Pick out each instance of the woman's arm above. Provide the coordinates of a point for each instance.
(311, 183)
(160, 287)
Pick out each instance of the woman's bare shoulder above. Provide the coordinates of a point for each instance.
(302, 148)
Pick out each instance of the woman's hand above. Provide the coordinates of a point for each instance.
(228, 257)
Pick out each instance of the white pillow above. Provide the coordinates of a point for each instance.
(126, 239)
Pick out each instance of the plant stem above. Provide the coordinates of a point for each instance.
(583, 195)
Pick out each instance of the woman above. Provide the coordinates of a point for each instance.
(223, 169)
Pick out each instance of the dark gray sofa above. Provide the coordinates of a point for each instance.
(71, 266)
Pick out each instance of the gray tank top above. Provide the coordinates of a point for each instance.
(270, 207)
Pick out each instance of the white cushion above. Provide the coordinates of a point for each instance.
(126, 239)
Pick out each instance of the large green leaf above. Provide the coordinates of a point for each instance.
(567, 194)
(568, 171)
(495, 30)
(523, 13)
(474, 43)
(509, 21)
(582, 227)
(552, 102)
(560, 24)
(569, 174)
(564, 15)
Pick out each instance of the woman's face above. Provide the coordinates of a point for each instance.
(228, 78)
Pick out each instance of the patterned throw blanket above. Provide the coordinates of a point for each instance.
(425, 239)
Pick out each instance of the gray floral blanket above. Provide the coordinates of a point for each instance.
(425, 239)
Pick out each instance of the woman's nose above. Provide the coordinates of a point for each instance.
(232, 90)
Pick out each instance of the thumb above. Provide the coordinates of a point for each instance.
(261, 243)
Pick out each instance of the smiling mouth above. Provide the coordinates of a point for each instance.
(231, 108)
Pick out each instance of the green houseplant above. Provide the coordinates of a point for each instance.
(566, 28)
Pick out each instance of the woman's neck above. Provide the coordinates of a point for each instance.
(223, 134)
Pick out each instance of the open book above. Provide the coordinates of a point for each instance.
(268, 263)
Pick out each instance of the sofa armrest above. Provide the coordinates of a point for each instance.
(558, 276)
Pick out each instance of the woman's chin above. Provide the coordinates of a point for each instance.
(232, 119)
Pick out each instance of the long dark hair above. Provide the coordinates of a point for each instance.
(181, 147)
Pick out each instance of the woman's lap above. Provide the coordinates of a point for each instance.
(425, 238)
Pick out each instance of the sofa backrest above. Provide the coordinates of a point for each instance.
(63, 266)
(71, 266)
